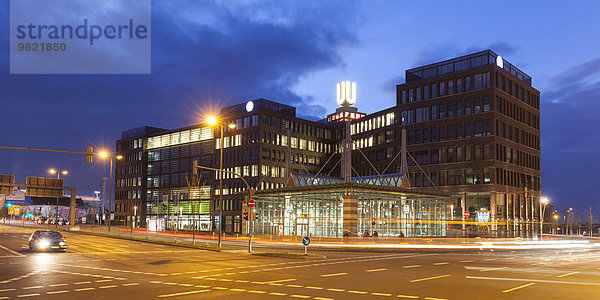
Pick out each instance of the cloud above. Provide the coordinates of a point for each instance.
(570, 139)
(443, 51)
(205, 55)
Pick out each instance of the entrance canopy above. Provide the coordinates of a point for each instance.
(322, 206)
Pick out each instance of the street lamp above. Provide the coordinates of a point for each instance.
(555, 224)
(64, 172)
(105, 154)
(543, 203)
(213, 121)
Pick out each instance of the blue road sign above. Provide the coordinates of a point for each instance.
(305, 241)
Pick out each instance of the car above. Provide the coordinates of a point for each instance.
(47, 240)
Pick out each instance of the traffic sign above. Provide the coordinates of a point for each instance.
(467, 214)
(305, 241)
(251, 203)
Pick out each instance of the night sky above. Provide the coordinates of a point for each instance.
(209, 54)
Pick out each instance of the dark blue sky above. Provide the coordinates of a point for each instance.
(207, 54)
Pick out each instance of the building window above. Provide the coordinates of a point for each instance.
(450, 87)
(468, 83)
(459, 108)
(433, 90)
(442, 89)
(459, 85)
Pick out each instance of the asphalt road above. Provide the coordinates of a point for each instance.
(106, 268)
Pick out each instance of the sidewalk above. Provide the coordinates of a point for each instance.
(279, 242)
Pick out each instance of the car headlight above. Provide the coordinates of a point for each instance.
(43, 243)
(62, 243)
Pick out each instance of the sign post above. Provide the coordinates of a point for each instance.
(467, 213)
(305, 242)
(252, 217)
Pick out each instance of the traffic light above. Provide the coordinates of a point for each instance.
(89, 154)
(246, 215)
(373, 221)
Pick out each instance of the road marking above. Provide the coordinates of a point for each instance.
(238, 290)
(465, 261)
(7, 290)
(84, 289)
(27, 295)
(12, 251)
(82, 282)
(58, 284)
(257, 292)
(568, 274)
(321, 298)
(314, 287)
(376, 270)
(441, 263)
(518, 287)
(300, 296)
(108, 286)
(430, 298)
(277, 294)
(413, 266)
(493, 269)
(381, 294)
(334, 274)
(220, 288)
(103, 280)
(534, 280)
(183, 293)
(130, 284)
(336, 290)
(407, 296)
(429, 278)
(276, 281)
(33, 287)
(57, 292)
(358, 292)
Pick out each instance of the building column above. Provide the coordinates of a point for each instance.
(350, 215)
(493, 205)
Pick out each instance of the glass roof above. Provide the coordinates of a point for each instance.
(389, 180)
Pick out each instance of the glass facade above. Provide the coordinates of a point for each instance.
(319, 212)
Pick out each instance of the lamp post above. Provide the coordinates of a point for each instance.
(64, 172)
(555, 224)
(248, 187)
(104, 154)
(543, 203)
(212, 121)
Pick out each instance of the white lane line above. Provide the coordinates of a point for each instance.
(441, 263)
(376, 270)
(33, 287)
(518, 287)
(28, 295)
(334, 274)
(413, 266)
(493, 269)
(130, 284)
(568, 274)
(12, 251)
(57, 292)
(534, 280)
(58, 284)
